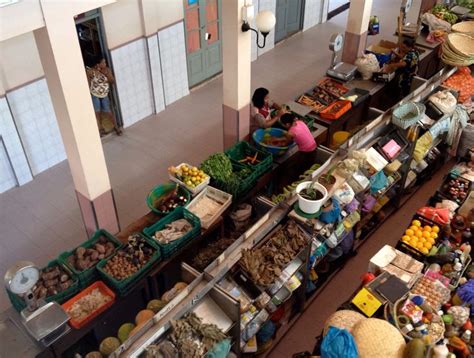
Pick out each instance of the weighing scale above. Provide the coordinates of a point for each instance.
(45, 322)
(339, 70)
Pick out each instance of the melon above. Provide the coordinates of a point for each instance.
(124, 331)
(93, 355)
(143, 316)
(109, 345)
(155, 305)
(169, 295)
(181, 286)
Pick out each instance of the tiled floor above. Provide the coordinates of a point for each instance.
(41, 219)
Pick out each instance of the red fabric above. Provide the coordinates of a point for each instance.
(440, 216)
(264, 111)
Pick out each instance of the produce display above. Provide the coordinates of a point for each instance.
(83, 258)
(463, 82)
(316, 105)
(170, 201)
(265, 264)
(456, 189)
(88, 304)
(209, 253)
(466, 3)
(323, 96)
(129, 259)
(289, 189)
(169, 295)
(435, 293)
(190, 176)
(205, 208)
(421, 238)
(52, 281)
(336, 110)
(190, 337)
(250, 160)
(333, 87)
(275, 141)
(173, 231)
(442, 12)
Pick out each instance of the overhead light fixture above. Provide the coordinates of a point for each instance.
(265, 22)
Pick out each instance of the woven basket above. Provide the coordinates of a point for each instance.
(377, 338)
(462, 44)
(343, 319)
(465, 27)
(408, 114)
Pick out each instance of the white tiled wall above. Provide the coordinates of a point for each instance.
(171, 43)
(156, 76)
(12, 143)
(133, 79)
(270, 43)
(254, 35)
(312, 13)
(7, 177)
(33, 113)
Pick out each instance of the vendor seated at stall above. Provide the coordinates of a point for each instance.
(299, 132)
(407, 66)
(261, 114)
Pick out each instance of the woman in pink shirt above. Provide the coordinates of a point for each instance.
(299, 132)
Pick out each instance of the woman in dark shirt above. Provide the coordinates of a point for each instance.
(407, 67)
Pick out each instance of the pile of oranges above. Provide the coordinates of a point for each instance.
(421, 237)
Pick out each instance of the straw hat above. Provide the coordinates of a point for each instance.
(343, 319)
(462, 44)
(465, 27)
(378, 338)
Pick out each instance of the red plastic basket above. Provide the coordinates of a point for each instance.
(336, 110)
(78, 324)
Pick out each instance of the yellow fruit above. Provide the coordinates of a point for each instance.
(428, 245)
(409, 232)
(426, 234)
(419, 246)
(435, 229)
(414, 228)
(422, 240)
(424, 250)
(413, 243)
(416, 223)
(427, 228)
(189, 182)
(406, 238)
(419, 234)
(143, 316)
(434, 235)
(431, 240)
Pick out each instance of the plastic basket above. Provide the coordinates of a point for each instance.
(78, 324)
(444, 188)
(194, 191)
(86, 277)
(245, 184)
(408, 114)
(217, 195)
(19, 304)
(168, 250)
(161, 190)
(259, 134)
(331, 112)
(123, 287)
(243, 149)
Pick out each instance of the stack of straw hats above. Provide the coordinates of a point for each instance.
(458, 50)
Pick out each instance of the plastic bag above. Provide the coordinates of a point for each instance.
(367, 65)
(444, 101)
(434, 23)
(338, 343)
(378, 182)
(220, 350)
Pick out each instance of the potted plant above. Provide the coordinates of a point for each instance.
(311, 196)
(328, 180)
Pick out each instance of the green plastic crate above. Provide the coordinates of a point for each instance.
(123, 287)
(243, 149)
(245, 184)
(89, 275)
(19, 304)
(168, 250)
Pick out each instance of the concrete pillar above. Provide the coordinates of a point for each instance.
(356, 30)
(60, 55)
(236, 58)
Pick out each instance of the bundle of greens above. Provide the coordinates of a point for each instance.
(441, 11)
(469, 4)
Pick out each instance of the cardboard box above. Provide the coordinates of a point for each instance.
(389, 259)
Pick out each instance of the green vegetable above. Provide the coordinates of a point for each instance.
(469, 4)
(218, 166)
(444, 13)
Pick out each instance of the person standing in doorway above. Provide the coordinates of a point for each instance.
(100, 79)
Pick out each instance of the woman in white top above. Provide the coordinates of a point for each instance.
(261, 114)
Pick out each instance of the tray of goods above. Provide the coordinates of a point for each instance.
(336, 110)
(233, 178)
(88, 304)
(83, 260)
(455, 188)
(333, 87)
(315, 105)
(391, 145)
(192, 178)
(129, 264)
(257, 160)
(209, 205)
(174, 231)
(421, 237)
(435, 293)
(206, 255)
(56, 283)
(164, 198)
(265, 264)
(323, 96)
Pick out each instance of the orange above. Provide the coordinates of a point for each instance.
(435, 229)
(406, 238)
(428, 245)
(414, 228)
(425, 250)
(419, 245)
(409, 232)
(416, 223)
(419, 234)
(427, 228)
(434, 235)
(423, 240)
(430, 240)
(426, 234)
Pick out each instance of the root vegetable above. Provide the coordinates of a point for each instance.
(50, 283)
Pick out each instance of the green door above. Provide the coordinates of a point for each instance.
(288, 18)
(203, 39)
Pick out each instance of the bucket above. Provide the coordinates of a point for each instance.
(339, 137)
(310, 206)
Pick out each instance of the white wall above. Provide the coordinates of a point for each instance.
(122, 22)
(20, 18)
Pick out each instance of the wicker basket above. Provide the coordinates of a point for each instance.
(465, 27)
(343, 319)
(377, 338)
(408, 114)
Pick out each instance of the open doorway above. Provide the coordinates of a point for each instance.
(92, 41)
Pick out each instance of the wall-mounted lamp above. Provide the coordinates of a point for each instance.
(265, 22)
